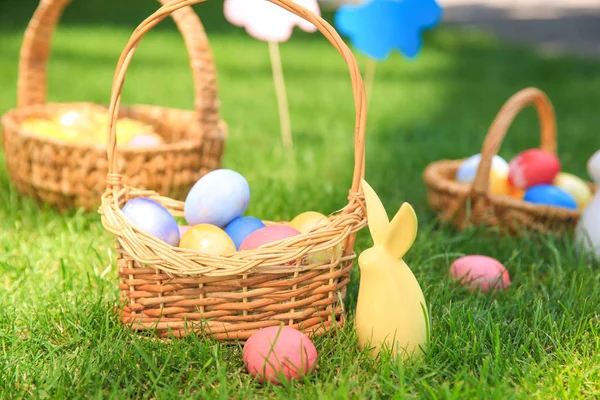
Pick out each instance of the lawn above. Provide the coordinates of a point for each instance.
(58, 283)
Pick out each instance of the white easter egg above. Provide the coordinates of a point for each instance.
(468, 169)
(593, 167)
(217, 198)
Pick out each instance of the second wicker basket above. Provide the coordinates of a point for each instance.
(66, 174)
(465, 205)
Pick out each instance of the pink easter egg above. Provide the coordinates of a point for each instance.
(145, 140)
(533, 167)
(277, 353)
(183, 229)
(477, 271)
(266, 235)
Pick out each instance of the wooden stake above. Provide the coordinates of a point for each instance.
(282, 104)
(370, 78)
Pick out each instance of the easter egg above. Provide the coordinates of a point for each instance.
(549, 195)
(49, 129)
(277, 353)
(75, 119)
(329, 254)
(207, 239)
(498, 182)
(478, 271)
(128, 128)
(308, 221)
(153, 218)
(593, 167)
(144, 140)
(576, 187)
(468, 169)
(515, 192)
(239, 229)
(183, 229)
(217, 198)
(533, 167)
(266, 235)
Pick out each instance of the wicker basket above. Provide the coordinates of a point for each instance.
(171, 290)
(465, 205)
(73, 175)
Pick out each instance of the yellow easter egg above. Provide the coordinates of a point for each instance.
(207, 239)
(75, 120)
(575, 186)
(498, 182)
(325, 255)
(127, 128)
(49, 129)
(308, 221)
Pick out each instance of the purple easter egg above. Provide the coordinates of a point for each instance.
(153, 218)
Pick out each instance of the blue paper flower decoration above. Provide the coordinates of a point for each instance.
(376, 27)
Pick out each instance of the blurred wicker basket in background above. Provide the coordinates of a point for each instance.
(66, 174)
(465, 205)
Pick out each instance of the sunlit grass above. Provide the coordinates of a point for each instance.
(59, 337)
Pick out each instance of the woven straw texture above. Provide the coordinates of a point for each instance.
(465, 205)
(69, 175)
(176, 291)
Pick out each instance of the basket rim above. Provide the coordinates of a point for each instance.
(273, 257)
(217, 131)
(436, 180)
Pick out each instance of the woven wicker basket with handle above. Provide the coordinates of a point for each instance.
(67, 174)
(177, 291)
(465, 205)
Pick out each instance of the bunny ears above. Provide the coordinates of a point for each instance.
(397, 236)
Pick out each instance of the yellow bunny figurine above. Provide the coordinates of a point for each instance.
(391, 310)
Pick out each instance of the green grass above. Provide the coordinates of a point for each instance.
(58, 284)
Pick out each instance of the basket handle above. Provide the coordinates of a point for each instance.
(35, 51)
(503, 120)
(113, 179)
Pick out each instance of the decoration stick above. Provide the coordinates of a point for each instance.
(282, 104)
(370, 77)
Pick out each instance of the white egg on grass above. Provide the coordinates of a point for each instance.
(217, 198)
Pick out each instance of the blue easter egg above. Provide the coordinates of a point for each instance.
(152, 218)
(217, 198)
(550, 195)
(239, 229)
(468, 169)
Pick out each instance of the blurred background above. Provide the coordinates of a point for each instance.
(549, 25)
(434, 107)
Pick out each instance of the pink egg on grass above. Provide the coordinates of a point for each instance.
(477, 271)
(279, 353)
(266, 235)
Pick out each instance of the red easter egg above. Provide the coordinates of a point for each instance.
(277, 353)
(533, 167)
(267, 234)
(480, 271)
